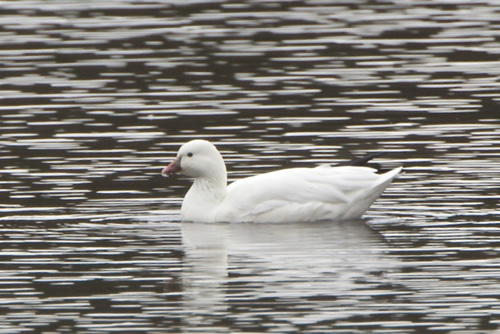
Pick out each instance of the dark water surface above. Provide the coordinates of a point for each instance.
(96, 98)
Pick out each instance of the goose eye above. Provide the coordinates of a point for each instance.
(190, 154)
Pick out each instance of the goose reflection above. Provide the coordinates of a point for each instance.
(225, 263)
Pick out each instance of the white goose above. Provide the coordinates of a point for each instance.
(288, 195)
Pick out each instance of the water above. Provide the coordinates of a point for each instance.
(97, 97)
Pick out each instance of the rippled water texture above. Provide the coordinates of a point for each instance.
(97, 96)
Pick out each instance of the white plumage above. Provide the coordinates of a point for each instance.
(288, 195)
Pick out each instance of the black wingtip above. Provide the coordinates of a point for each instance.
(365, 161)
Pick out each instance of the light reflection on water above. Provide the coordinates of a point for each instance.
(229, 265)
(97, 97)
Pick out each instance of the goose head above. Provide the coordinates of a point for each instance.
(197, 159)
